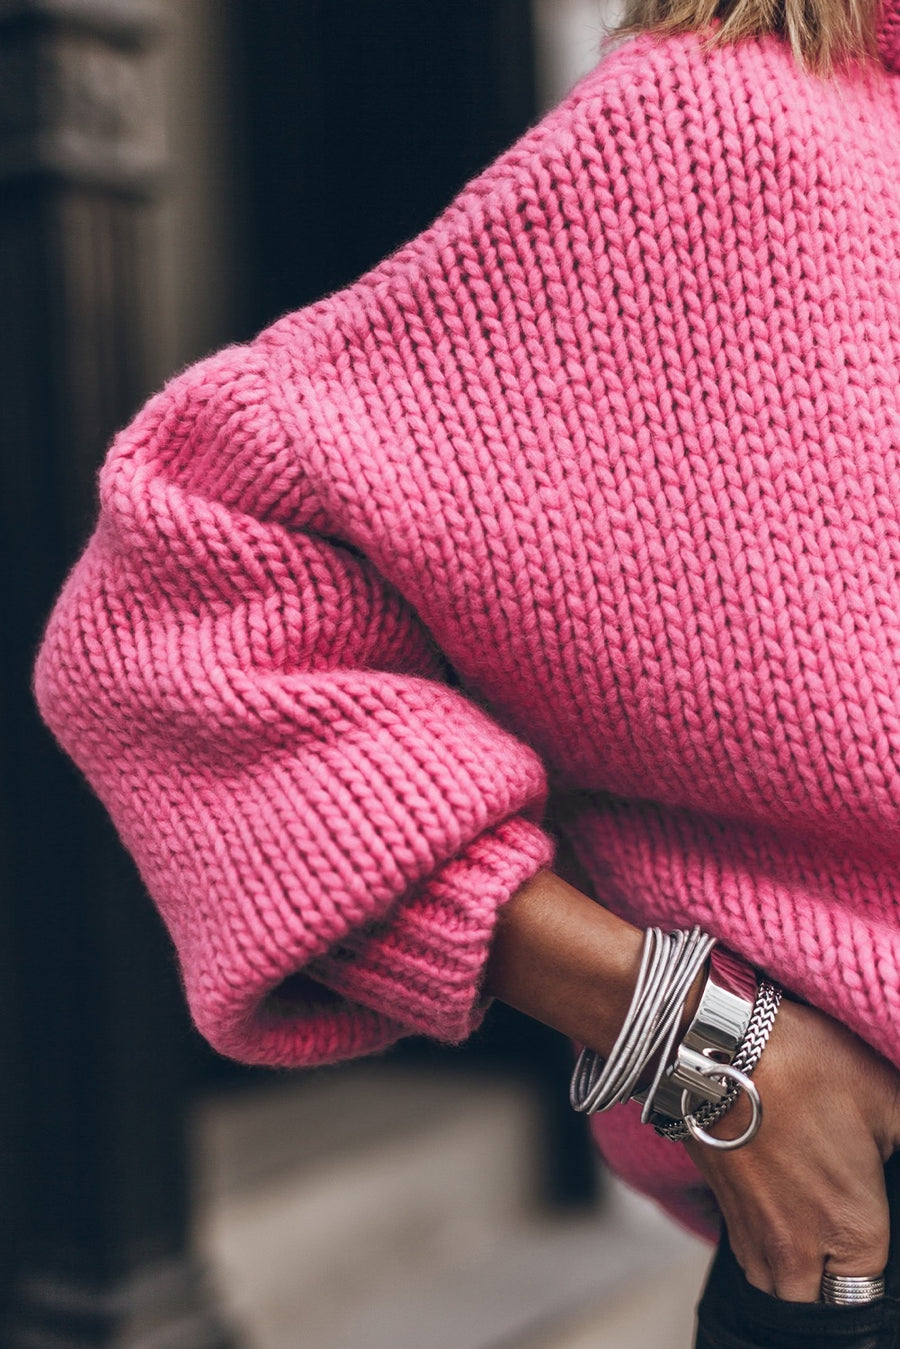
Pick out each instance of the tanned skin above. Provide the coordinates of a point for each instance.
(808, 1192)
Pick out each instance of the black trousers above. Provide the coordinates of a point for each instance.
(734, 1315)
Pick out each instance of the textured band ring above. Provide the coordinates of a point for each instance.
(844, 1290)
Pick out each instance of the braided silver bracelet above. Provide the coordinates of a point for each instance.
(718, 1051)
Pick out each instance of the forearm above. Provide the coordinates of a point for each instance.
(566, 961)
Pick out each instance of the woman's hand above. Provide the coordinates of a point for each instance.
(807, 1194)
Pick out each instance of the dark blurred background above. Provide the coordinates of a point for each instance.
(174, 176)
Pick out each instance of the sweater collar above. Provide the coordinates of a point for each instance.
(889, 33)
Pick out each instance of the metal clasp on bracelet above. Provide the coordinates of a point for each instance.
(698, 1076)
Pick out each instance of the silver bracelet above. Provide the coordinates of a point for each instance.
(713, 1062)
(669, 965)
(695, 1123)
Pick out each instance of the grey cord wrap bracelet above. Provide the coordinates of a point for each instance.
(696, 1085)
(670, 962)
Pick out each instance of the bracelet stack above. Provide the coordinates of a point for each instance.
(695, 1084)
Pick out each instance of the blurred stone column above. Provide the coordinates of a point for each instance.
(93, 1181)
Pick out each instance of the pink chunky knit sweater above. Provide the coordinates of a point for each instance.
(587, 500)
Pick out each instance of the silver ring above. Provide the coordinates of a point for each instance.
(845, 1290)
(724, 1144)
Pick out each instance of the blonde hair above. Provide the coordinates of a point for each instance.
(823, 34)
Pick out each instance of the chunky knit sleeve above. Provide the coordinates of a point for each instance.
(327, 825)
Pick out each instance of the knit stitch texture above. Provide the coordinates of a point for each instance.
(590, 495)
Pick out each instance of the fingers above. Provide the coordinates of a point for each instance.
(783, 1269)
(864, 1264)
(859, 1247)
(798, 1282)
(785, 1266)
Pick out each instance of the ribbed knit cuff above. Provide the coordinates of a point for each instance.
(423, 964)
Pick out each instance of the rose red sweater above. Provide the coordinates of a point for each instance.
(588, 497)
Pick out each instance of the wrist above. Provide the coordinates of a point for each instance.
(563, 959)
